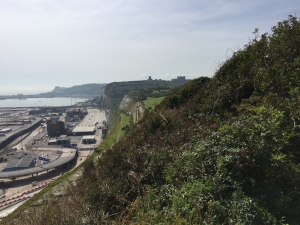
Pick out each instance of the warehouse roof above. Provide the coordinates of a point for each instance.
(84, 129)
(5, 130)
(16, 164)
(63, 139)
(88, 137)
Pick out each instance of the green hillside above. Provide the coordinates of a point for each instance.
(151, 103)
(224, 150)
(84, 89)
(138, 90)
(119, 89)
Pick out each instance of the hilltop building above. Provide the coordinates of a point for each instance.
(179, 78)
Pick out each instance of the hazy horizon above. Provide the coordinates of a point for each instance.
(51, 43)
(39, 90)
(24, 90)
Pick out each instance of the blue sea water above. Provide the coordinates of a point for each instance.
(38, 102)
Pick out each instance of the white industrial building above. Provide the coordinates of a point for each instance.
(5, 130)
(89, 139)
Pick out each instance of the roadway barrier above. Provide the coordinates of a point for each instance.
(6, 203)
(9, 204)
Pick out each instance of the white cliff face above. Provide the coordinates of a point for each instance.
(103, 97)
(124, 105)
(101, 93)
(135, 109)
(138, 111)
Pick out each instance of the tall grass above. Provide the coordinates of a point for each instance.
(151, 103)
(116, 133)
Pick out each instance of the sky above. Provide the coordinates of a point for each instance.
(48, 43)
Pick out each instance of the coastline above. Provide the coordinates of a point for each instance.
(43, 102)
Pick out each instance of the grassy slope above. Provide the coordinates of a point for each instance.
(152, 102)
(116, 133)
(219, 151)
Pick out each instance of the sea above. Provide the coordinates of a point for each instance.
(39, 102)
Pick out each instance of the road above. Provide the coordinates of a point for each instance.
(94, 116)
(29, 138)
(67, 155)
